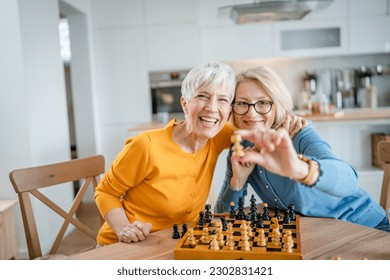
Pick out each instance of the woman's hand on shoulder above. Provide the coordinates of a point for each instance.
(294, 124)
(135, 232)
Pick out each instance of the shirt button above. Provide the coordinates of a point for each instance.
(261, 171)
(193, 194)
(193, 156)
(192, 174)
(266, 186)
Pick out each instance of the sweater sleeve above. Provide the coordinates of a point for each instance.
(129, 168)
(337, 177)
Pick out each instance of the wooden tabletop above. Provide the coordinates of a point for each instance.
(321, 238)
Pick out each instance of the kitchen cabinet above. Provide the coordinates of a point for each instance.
(350, 139)
(239, 42)
(314, 38)
(369, 34)
(363, 8)
(172, 46)
(8, 236)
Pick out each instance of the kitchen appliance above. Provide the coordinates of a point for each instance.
(273, 10)
(165, 88)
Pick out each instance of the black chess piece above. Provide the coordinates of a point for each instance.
(208, 215)
(265, 212)
(277, 211)
(291, 207)
(201, 221)
(175, 233)
(259, 223)
(232, 211)
(183, 229)
(287, 218)
(224, 223)
(240, 214)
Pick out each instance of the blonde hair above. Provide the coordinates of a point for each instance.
(275, 89)
(209, 74)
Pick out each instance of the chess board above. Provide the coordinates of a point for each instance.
(184, 251)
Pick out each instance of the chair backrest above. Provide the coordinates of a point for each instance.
(384, 155)
(28, 181)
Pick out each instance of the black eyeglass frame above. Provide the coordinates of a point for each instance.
(254, 107)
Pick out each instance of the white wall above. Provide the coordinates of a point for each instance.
(33, 99)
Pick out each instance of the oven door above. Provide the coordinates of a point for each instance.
(166, 99)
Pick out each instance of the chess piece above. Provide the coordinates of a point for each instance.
(238, 149)
(287, 219)
(220, 237)
(208, 215)
(224, 223)
(291, 207)
(201, 221)
(288, 241)
(240, 214)
(175, 233)
(259, 223)
(244, 238)
(275, 234)
(205, 236)
(287, 247)
(214, 243)
(277, 211)
(191, 237)
(232, 211)
(261, 239)
(265, 212)
(230, 241)
(183, 229)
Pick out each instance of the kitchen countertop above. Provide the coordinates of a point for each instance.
(349, 114)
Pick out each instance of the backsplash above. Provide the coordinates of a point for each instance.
(293, 71)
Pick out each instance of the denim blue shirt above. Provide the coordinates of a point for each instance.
(335, 195)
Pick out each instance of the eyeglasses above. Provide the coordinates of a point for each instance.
(261, 107)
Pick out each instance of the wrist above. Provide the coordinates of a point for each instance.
(236, 184)
(310, 175)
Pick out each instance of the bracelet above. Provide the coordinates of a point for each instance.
(314, 172)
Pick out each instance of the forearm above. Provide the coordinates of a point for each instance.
(117, 219)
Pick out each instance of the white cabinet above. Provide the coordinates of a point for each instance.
(171, 47)
(170, 11)
(240, 42)
(314, 38)
(369, 34)
(351, 141)
(363, 8)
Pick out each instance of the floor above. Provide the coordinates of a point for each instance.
(78, 241)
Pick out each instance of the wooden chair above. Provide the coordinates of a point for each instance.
(384, 155)
(30, 180)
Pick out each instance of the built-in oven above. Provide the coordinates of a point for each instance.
(166, 91)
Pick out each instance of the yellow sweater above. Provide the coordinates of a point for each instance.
(155, 181)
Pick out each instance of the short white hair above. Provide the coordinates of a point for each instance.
(209, 74)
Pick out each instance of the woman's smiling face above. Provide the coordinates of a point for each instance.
(207, 111)
(250, 92)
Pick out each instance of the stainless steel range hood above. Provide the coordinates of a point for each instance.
(268, 11)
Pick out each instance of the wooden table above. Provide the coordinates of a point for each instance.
(321, 238)
(8, 236)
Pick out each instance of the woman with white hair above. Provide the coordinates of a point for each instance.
(163, 176)
(301, 171)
